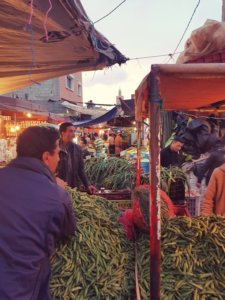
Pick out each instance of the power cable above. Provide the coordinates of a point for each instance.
(192, 16)
(102, 18)
(154, 56)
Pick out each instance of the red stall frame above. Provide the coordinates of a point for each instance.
(171, 87)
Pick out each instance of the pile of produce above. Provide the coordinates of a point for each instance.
(112, 173)
(193, 259)
(118, 173)
(168, 176)
(97, 262)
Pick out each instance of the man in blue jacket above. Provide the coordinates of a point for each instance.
(35, 214)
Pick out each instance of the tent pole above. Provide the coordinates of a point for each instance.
(138, 173)
(155, 225)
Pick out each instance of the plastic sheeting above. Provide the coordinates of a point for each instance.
(208, 39)
(73, 44)
(104, 118)
(182, 87)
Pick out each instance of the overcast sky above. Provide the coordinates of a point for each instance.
(140, 28)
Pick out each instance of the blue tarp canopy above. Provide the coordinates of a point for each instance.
(113, 113)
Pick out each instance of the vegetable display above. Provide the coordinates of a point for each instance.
(117, 173)
(168, 176)
(97, 262)
(112, 173)
(193, 259)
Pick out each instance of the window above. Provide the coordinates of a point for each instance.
(70, 82)
(79, 89)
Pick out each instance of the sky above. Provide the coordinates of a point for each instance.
(140, 28)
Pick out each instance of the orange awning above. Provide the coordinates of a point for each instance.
(182, 87)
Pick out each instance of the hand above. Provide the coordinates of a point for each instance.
(91, 189)
(61, 183)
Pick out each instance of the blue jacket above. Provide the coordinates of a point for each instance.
(35, 214)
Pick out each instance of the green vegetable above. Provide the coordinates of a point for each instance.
(97, 262)
(193, 259)
(112, 173)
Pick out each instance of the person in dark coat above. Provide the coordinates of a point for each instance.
(35, 215)
(71, 164)
(173, 156)
(83, 145)
(215, 160)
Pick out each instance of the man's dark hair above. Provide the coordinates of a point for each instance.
(178, 139)
(96, 134)
(63, 127)
(105, 137)
(36, 140)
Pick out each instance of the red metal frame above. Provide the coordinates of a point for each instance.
(138, 168)
(155, 207)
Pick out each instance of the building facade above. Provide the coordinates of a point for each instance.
(65, 88)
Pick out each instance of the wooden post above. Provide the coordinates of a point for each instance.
(155, 205)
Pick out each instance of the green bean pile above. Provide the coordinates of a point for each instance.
(112, 173)
(118, 173)
(193, 259)
(97, 262)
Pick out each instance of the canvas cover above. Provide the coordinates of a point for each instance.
(72, 43)
(182, 87)
(208, 39)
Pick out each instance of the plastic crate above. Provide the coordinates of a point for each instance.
(116, 195)
(193, 205)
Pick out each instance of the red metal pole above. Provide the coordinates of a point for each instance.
(155, 223)
(138, 171)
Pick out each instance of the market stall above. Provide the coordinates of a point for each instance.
(17, 115)
(171, 87)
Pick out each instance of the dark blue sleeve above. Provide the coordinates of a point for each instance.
(69, 222)
(62, 222)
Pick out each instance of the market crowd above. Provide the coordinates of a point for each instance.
(36, 211)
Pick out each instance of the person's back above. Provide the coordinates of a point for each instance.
(118, 144)
(99, 146)
(35, 214)
(214, 199)
(215, 160)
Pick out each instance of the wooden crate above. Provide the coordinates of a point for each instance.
(122, 204)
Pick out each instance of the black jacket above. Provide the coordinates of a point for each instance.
(71, 166)
(171, 158)
(215, 160)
